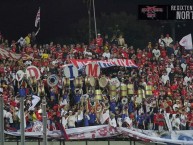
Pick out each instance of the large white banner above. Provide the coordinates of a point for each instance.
(101, 131)
(104, 131)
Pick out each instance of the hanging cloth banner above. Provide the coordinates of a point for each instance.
(14, 56)
(106, 131)
(79, 63)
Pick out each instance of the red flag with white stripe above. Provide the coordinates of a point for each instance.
(37, 18)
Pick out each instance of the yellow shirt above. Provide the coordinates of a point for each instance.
(34, 117)
(45, 55)
(27, 40)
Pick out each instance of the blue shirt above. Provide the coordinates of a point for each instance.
(140, 119)
(53, 94)
(147, 118)
(22, 92)
(77, 98)
(182, 60)
(123, 116)
(112, 106)
(131, 107)
(64, 97)
(86, 121)
(92, 117)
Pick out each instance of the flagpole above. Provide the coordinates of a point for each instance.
(94, 20)
(1, 119)
(44, 116)
(40, 16)
(22, 128)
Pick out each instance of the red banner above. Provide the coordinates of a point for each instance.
(79, 63)
(8, 54)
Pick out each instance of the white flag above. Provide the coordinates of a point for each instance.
(37, 18)
(186, 41)
(35, 101)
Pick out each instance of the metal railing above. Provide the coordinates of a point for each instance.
(39, 141)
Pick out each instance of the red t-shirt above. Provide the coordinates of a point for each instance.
(190, 118)
(98, 50)
(29, 50)
(59, 55)
(174, 87)
(190, 65)
(13, 103)
(36, 51)
(156, 93)
(149, 55)
(52, 49)
(80, 49)
(13, 49)
(163, 53)
(155, 119)
(45, 63)
(50, 114)
(99, 41)
(139, 55)
(125, 54)
(161, 116)
(39, 116)
(183, 92)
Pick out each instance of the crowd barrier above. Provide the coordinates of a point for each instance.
(32, 141)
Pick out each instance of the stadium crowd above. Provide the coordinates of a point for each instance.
(165, 65)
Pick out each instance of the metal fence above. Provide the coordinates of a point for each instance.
(107, 141)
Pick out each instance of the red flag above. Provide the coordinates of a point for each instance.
(37, 18)
(63, 131)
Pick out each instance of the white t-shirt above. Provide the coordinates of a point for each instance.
(161, 42)
(168, 70)
(9, 116)
(128, 121)
(165, 78)
(21, 41)
(106, 54)
(176, 106)
(168, 40)
(156, 52)
(64, 122)
(144, 84)
(183, 65)
(71, 121)
(63, 102)
(183, 120)
(104, 116)
(170, 65)
(121, 41)
(87, 53)
(112, 122)
(80, 116)
(28, 63)
(186, 80)
(176, 123)
(119, 122)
